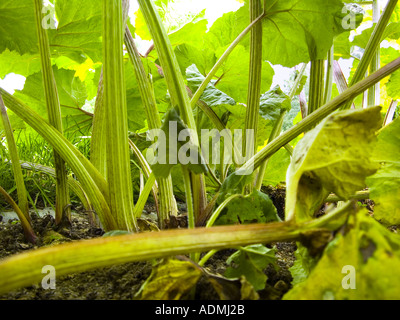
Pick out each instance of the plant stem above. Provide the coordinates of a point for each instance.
(276, 131)
(63, 210)
(26, 225)
(361, 195)
(167, 202)
(13, 152)
(329, 76)
(221, 207)
(118, 158)
(144, 195)
(92, 181)
(222, 59)
(254, 86)
(310, 121)
(374, 92)
(25, 269)
(177, 90)
(316, 97)
(98, 141)
(373, 44)
(189, 205)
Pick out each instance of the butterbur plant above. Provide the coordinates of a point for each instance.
(198, 122)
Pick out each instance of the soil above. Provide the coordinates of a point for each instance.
(119, 282)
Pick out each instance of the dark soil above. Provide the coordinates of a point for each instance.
(119, 282)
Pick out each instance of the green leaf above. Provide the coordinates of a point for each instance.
(18, 31)
(232, 289)
(79, 30)
(236, 120)
(171, 151)
(202, 57)
(255, 207)
(273, 102)
(234, 74)
(13, 62)
(72, 95)
(342, 46)
(333, 157)
(385, 184)
(393, 86)
(300, 31)
(371, 250)
(170, 280)
(392, 31)
(211, 95)
(302, 266)
(277, 168)
(251, 262)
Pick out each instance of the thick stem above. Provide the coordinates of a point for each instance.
(25, 269)
(329, 76)
(167, 202)
(13, 152)
(63, 210)
(26, 225)
(254, 87)
(316, 97)
(92, 181)
(118, 158)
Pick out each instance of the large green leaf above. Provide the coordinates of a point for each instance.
(79, 30)
(277, 168)
(251, 262)
(255, 207)
(333, 157)
(368, 252)
(234, 74)
(385, 184)
(18, 30)
(72, 95)
(392, 31)
(300, 31)
(13, 62)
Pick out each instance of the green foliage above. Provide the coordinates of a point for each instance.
(176, 149)
(273, 103)
(333, 157)
(211, 95)
(385, 184)
(370, 249)
(302, 266)
(18, 30)
(255, 207)
(170, 280)
(277, 168)
(251, 262)
(72, 94)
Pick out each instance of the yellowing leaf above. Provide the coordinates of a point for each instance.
(366, 257)
(333, 157)
(170, 280)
